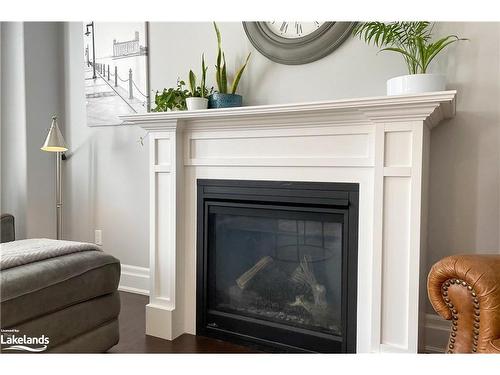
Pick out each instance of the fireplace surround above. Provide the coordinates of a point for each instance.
(381, 144)
(277, 264)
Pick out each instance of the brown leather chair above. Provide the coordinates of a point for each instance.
(466, 290)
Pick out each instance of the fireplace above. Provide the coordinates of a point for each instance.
(277, 264)
(380, 144)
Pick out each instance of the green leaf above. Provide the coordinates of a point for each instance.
(203, 76)
(223, 77)
(237, 77)
(438, 46)
(192, 82)
(218, 67)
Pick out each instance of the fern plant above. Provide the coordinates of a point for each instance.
(221, 70)
(200, 91)
(413, 40)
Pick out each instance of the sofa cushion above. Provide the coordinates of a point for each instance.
(98, 340)
(39, 288)
(66, 324)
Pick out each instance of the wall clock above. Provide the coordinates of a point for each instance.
(294, 43)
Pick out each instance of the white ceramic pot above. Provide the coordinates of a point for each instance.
(416, 84)
(194, 104)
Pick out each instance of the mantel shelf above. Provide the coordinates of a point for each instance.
(429, 107)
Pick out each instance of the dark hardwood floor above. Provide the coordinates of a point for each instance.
(134, 340)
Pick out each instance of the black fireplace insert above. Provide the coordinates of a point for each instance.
(277, 264)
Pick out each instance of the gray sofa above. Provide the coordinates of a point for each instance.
(71, 299)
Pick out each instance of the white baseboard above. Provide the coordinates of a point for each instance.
(134, 279)
(437, 331)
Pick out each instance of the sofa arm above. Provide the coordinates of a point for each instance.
(466, 290)
(7, 232)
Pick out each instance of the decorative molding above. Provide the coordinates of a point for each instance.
(429, 107)
(134, 279)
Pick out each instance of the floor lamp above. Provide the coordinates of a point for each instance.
(55, 143)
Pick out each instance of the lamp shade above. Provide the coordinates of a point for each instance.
(55, 141)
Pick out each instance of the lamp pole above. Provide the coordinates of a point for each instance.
(59, 202)
(55, 143)
(87, 33)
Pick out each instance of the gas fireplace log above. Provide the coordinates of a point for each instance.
(243, 280)
(304, 274)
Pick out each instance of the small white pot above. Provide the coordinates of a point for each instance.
(194, 104)
(416, 84)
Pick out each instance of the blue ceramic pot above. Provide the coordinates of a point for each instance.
(218, 100)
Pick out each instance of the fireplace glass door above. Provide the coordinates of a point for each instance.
(279, 265)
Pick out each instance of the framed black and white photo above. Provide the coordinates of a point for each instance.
(116, 70)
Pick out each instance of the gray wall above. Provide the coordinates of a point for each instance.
(106, 175)
(13, 128)
(107, 171)
(31, 87)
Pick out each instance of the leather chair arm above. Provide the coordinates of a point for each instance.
(466, 290)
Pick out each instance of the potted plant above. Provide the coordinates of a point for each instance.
(223, 97)
(413, 40)
(173, 99)
(198, 98)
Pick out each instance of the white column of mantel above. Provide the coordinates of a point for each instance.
(400, 166)
(163, 316)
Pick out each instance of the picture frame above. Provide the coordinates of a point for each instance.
(116, 71)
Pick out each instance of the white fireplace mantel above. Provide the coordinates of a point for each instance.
(380, 143)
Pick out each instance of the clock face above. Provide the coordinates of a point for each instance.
(293, 30)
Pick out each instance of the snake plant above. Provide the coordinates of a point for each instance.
(200, 91)
(413, 40)
(221, 70)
